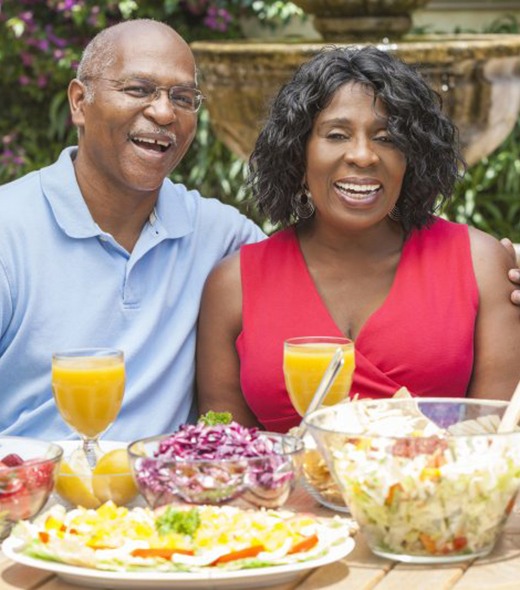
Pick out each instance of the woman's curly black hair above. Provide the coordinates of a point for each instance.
(425, 135)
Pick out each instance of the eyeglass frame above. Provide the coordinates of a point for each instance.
(153, 96)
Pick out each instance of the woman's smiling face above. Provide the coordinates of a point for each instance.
(354, 172)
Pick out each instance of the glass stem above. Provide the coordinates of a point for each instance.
(90, 448)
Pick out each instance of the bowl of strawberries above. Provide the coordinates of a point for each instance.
(28, 468)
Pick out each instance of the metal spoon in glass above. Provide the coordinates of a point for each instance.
(326, 382)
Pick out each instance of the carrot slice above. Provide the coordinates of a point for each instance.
(304, 545)
(164, 552)
(252, 551)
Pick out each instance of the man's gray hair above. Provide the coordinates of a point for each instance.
(97, 57)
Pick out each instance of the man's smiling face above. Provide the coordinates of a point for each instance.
(129, 144)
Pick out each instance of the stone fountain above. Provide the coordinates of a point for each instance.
(477, 75)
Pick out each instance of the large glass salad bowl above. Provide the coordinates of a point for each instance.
(427, 480)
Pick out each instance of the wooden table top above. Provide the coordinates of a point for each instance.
(361, 570)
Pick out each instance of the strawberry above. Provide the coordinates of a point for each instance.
(12, 460)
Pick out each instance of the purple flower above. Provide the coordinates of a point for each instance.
(67, 5)
(42, 44)
(217, 19)
(24, 80)
(93, 18)
(53, 38)
(27, 59)
(26, 17)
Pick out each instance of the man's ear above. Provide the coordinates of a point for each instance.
(77, 98)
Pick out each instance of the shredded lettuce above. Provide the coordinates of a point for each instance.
(451, 499)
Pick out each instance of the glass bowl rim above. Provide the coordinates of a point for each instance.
(56, 451)
(296, 441)
(449, 401)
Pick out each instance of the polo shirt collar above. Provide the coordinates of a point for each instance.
(60, 187)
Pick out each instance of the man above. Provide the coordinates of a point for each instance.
(101, 249)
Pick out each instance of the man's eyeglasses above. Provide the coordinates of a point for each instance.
(145, 92)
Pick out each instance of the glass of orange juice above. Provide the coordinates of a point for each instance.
(88, 386)
(306, 359)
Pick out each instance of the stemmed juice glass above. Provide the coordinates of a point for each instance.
(305, 360)
(88, 386)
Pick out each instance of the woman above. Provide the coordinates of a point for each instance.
(357, 154)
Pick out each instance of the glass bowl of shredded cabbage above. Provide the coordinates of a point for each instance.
(208, 463)
(427, 479)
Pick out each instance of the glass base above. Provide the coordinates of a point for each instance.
(431, 559)
(323, 501)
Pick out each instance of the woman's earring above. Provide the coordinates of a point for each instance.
(302, 204)
(395, 214)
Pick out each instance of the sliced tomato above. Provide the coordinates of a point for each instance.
(304, 545)
(459, 543)
(252, 551)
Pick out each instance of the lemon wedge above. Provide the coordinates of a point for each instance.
(76, 487)
(112, 478)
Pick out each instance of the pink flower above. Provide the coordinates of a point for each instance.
(27, 58)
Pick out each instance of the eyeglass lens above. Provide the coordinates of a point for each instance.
(183, 97)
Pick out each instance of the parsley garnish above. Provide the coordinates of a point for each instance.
(184, 522)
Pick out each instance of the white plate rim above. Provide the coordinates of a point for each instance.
(140, 579)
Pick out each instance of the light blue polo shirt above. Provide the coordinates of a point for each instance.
(66, 284)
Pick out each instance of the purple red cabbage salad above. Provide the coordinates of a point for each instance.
(214, 463)
(222, 441)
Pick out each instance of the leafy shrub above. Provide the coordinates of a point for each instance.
(489, 195)
(40, 46)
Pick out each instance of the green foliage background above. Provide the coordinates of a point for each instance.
(40, 45)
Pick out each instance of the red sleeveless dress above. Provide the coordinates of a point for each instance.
(421, 337)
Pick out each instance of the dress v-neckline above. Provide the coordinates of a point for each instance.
(320, 302)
